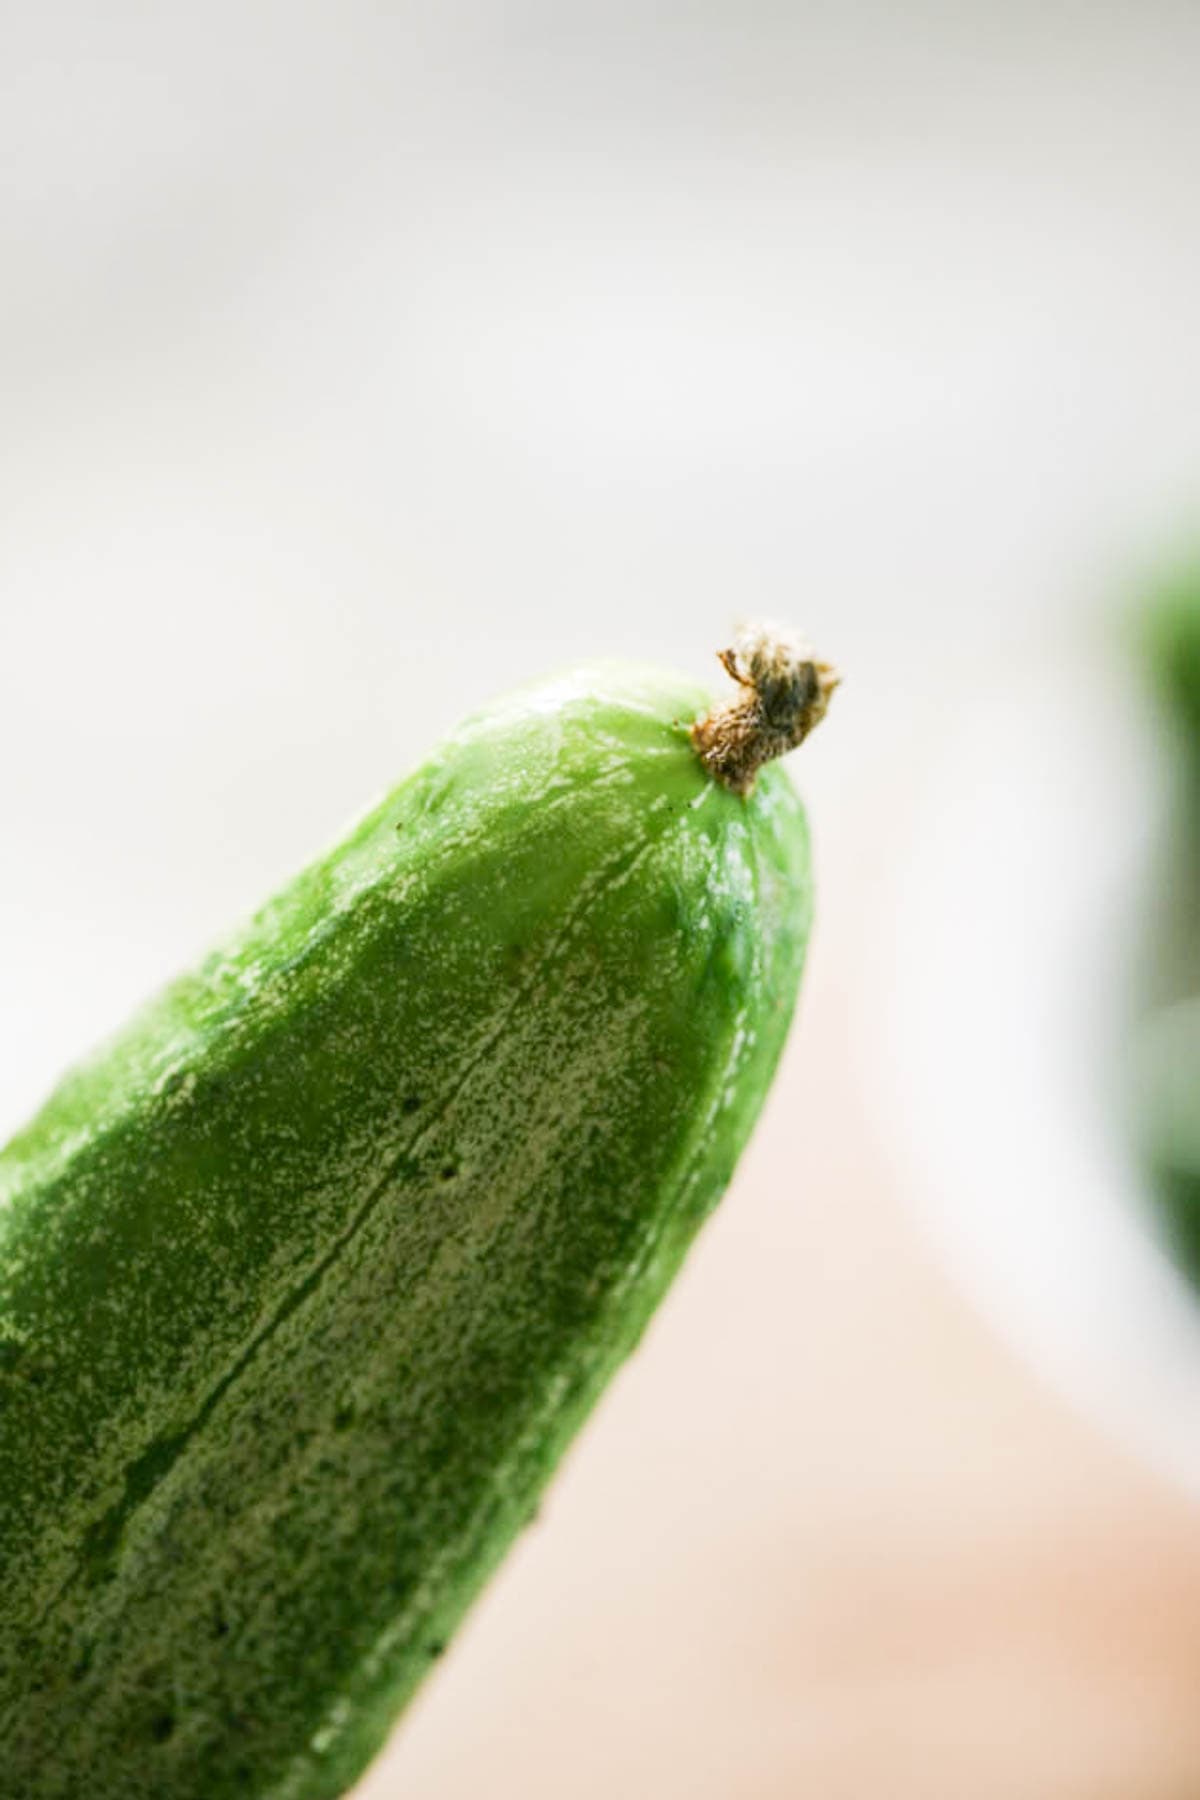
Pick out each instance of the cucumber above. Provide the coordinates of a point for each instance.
(308, 1277)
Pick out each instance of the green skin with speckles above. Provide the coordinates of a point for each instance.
(308, 1278)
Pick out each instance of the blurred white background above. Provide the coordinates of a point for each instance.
(358, 362)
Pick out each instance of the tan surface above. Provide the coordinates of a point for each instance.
(826, 1538)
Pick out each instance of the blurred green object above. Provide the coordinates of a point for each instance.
(1172, 636)
(1167, 1052)
(1167, 1102)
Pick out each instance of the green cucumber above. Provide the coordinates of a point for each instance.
(308, 1277)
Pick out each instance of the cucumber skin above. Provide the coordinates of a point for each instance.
(308, 1278)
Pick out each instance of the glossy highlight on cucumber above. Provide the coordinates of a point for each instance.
(309, 1276)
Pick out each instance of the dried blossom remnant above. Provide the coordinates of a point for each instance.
(783, 692)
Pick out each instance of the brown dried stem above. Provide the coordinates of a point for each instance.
(783, 692)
